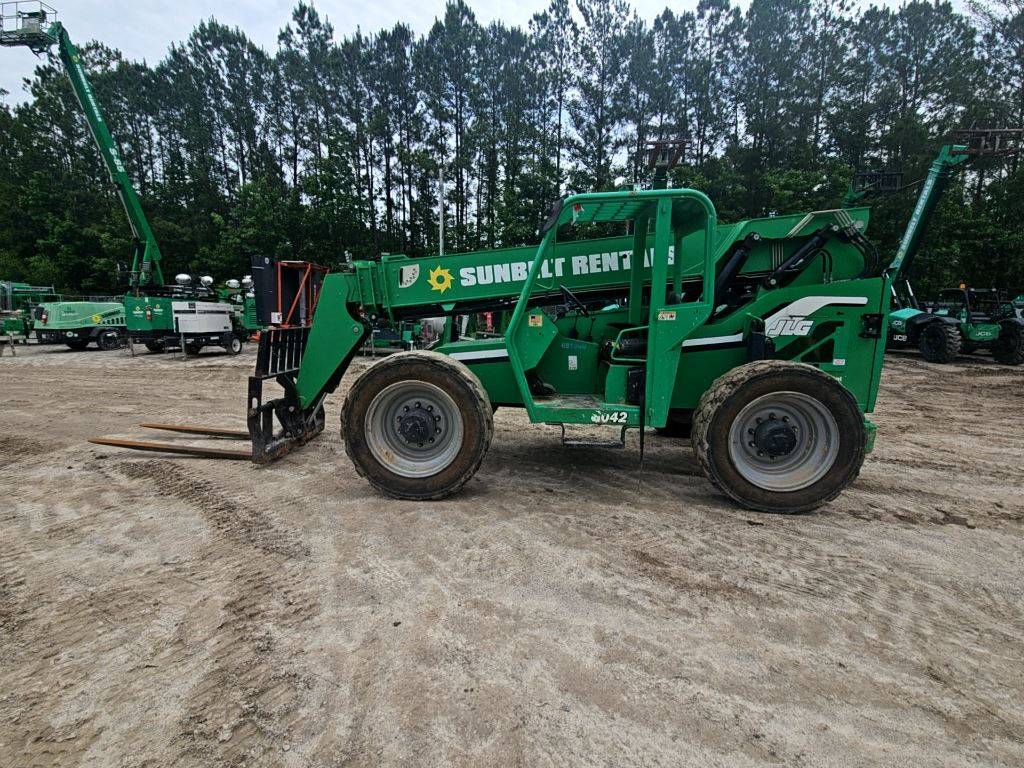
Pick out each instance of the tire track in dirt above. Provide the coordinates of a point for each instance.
(246, 707)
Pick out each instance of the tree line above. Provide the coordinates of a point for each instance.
(334, 147)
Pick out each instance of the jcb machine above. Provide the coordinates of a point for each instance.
(941, 336)
(158, 315)
(766, 335)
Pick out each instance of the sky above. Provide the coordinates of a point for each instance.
(144, 29)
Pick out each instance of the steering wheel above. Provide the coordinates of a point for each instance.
(572, 300)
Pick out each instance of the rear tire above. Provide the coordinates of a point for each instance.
(940, 342)
(108, 340)
(777, 436)
(156, 346)
(417, 425)
(77, 344)
(234, 345)
(1009, 347)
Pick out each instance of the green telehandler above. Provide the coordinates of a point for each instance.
(766, 334)
(959, 324)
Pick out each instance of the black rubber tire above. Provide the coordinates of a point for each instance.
(77, 344)
(727, 396)
(940, 342)
(156, 346)
(192, 348)
(234, 345)
(108, 340)
(460, 383)
(679, 425)
(1009, 347)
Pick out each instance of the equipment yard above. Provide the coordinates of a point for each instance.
(561, 610)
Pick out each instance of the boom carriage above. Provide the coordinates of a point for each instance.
(775, 323)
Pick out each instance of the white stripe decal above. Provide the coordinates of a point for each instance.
(480, 354)
(713, 340)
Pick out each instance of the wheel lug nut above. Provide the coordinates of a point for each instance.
(771, 416)
(437, 418)
(431, 439)
(759, 419)
(760, 453)
(750, 431)
(437, 430)
(430, 407)
(417, 405)
(405, 408)
(752, 444)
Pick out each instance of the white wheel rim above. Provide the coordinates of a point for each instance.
(803, 424)
(413, 428)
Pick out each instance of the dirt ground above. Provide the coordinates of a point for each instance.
(563, 610)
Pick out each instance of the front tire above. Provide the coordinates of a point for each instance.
(156, 346)
(1009, 347)
(417, 425)
(940, 342)
(234, 345)
(777, 436)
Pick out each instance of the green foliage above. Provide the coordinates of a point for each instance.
(332, 147)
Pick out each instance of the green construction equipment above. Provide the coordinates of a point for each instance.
(767, 335)
(78, 324)
(183, 314)
(982, 322)
(942, 335)
(18, 303)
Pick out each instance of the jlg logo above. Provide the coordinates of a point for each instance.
(789, 326)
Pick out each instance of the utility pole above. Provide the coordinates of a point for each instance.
(440, 206)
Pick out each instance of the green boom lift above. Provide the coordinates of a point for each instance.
(942, 334)
(34, 25)
(158, 315)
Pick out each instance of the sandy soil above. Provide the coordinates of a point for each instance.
(562, 611)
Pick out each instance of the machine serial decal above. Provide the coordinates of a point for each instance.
(614, 417)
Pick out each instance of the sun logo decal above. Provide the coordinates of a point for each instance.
(439, 279)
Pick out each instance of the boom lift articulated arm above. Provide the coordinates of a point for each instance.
(33, 25)
(952, 158)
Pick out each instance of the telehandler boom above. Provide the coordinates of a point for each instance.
(942, 336)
